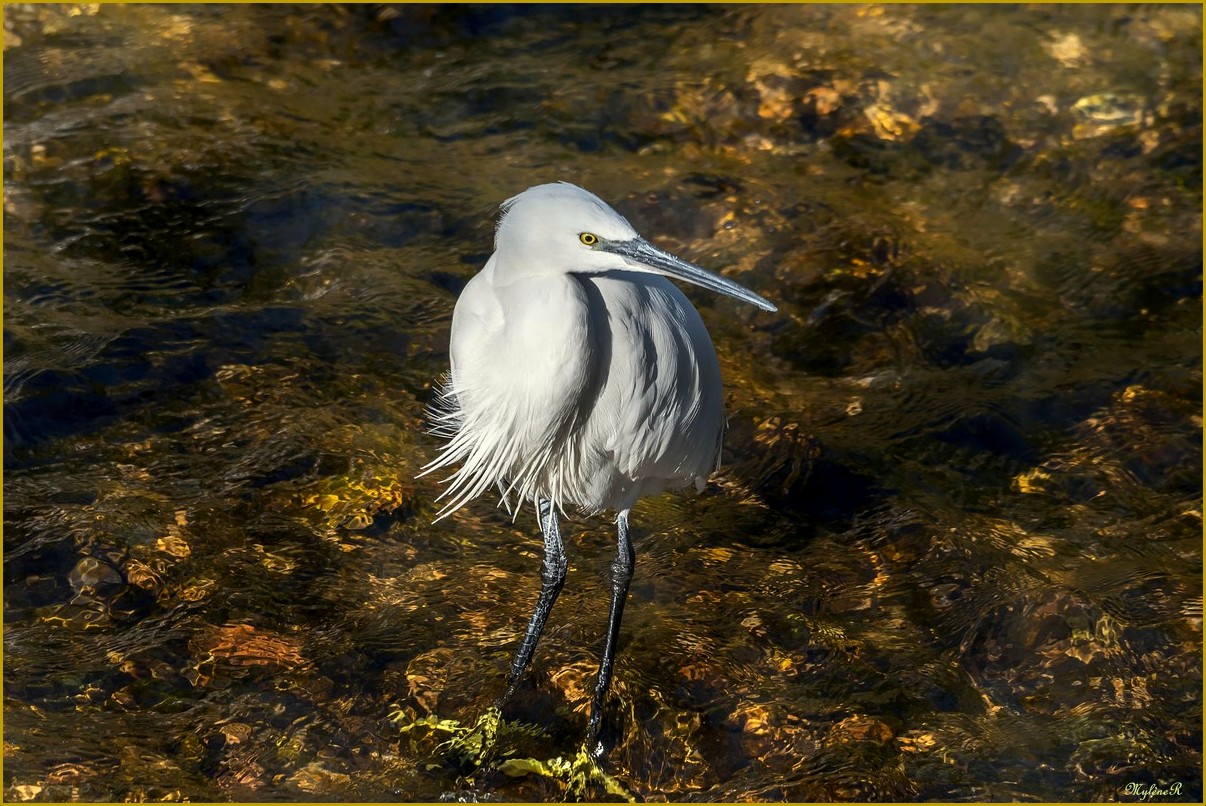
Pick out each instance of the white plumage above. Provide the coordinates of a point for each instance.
(580, 377)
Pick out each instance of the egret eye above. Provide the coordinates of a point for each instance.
(588, 238)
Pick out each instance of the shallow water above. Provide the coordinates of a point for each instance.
(954, 552)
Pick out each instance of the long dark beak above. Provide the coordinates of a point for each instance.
(638, 250)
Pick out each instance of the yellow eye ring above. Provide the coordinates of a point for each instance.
(588, 238)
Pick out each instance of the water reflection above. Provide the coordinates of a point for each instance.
(954, 552)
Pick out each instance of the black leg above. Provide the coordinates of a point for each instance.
(552, 576)
(621, 575)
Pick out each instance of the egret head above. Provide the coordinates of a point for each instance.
(561, 228)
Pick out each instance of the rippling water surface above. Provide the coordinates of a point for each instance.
(954, 552)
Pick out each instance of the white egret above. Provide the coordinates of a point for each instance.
(581, 377)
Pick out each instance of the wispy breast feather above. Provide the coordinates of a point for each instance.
(514, 399)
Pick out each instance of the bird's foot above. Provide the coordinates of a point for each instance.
(578, 774)
(469, 747)
(472, 747)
